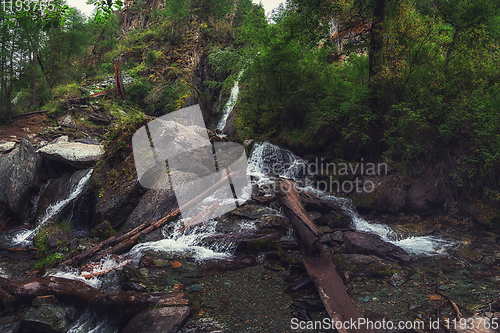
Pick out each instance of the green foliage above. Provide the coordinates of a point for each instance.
(49, 261)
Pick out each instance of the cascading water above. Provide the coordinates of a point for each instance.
(78, 181)
(268, 161)
(233, 97)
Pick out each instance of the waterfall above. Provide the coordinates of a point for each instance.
(25, 237)
(268, 162)
(233, 97)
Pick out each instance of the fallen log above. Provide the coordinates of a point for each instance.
(83, 295)
(319, 266)
(308, 231)
(28, 114)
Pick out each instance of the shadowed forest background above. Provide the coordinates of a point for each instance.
(413, 83)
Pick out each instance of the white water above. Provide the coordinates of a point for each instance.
(24, 237)
(90, 275)
(89, 322)
(233, 97)
(268, 161)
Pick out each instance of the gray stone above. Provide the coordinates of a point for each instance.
(47, 318)
(23, 177)
(164, 320)
(10, 324)
(78, 155)
(424, 195)
(61, 139)
(66, 121)
(387, 194)
(396, 280)
(365, 243)
(364, 265)
(5, 147)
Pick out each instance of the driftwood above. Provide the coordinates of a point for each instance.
(125, 242)
(318, 264)
(308, 231)
(83, 295)
(28, 114)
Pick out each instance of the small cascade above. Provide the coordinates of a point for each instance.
(78, 182)
(233, 97)
(269, 162)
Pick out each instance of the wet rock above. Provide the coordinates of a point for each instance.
(338, 236)
(154, 205)
(164, 320)
(66, 121)
(484, 214)
(248, 143)
(251, 212)
(9, 324)
(477, 324)
(301, 315)
(424, 194)
(277, 222)
(57, 236)
(313, 216)
(364, 265)
(387, 194)
(413, 229)
(6, 146)
(146, 261)
(6, 163)
(245, 241)
(365, 243)
(230, 264)
(396, 280)
(58, 190)
(75, 154)
(47, 318)
(195, 288)
(23, 178)
(102, 230)
(334, 221)
(314, 203)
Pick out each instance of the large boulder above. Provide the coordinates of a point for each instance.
(6, 146)
(117, 191)
(424, 195)
(484, 214)
(156, 204)
(164, 320)
(366, 243)
(76, 154)
(19, 171)
(6, 164)
(387, 194)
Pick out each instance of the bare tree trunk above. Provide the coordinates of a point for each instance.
(33, 80)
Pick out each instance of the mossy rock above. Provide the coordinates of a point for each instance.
(365, 265)
(484, 214)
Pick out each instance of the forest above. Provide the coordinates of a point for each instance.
(414, 83)
(409, 85)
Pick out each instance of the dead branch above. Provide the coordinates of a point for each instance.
(83, 295)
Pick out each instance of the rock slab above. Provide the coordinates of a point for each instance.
(78, 155)
(365, 243)
(164, 320)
